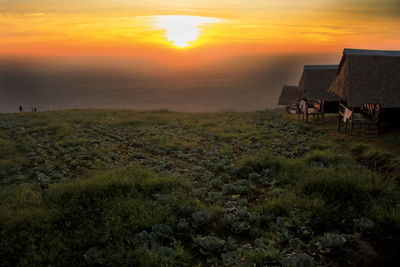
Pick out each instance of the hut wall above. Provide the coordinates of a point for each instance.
(288, 96)
(390, 116)
(302, 85)
(331, 106)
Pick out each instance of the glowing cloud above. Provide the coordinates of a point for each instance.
(181, 30)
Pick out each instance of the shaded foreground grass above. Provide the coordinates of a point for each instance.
(93, 218)
(163, 188)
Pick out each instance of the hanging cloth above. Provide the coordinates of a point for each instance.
(347, 114)
(302, 104)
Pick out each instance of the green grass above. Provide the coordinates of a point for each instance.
(103, 210)
(161, 188)
(378, 159)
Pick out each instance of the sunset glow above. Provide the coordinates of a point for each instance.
(182, 31)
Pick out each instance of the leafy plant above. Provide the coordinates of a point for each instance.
(300, 260)
(210, 245)
(231, 258)
(363, 224)
(162, 231)
(240, 227)
(229, 218)
(215, 183)
(332, 240)
(200, 217)
(215, 196)
(229, 189)
(43, 180)
(255, 177)
(183, 224)
(93, 256)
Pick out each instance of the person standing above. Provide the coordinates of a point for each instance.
(21, 109)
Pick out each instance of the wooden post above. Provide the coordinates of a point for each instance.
(351, 122)
(351, 126)
(307, 113)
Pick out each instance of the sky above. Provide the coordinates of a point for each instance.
(187, 35)
(128, 27)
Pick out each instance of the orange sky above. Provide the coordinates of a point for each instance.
(236, 27)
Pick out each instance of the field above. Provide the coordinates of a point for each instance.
(151, 188)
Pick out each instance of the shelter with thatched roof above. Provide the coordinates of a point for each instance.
(314, 84)
(368, 81)
(289, 97)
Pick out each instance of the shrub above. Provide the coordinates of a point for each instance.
(346, 187)
(377, 159)
(358, 149)
(319, 146)
(328, 158)
(263, 160)
(280, 206)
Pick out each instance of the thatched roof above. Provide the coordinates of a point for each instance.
(289, 95)
(368, 77)
(315, 82)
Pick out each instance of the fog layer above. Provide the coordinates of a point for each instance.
(236, 84)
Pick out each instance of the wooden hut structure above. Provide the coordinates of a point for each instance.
(368, 83)
(289, 98)
(313, 87)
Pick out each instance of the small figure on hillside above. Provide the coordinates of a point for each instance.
(21, 109)
(34, 109)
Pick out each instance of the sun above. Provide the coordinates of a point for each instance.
(182, 31)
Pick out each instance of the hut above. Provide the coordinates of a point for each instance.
(313, 87)
(289, 98)
(368, 84)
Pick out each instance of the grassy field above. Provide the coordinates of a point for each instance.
(111, 188)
